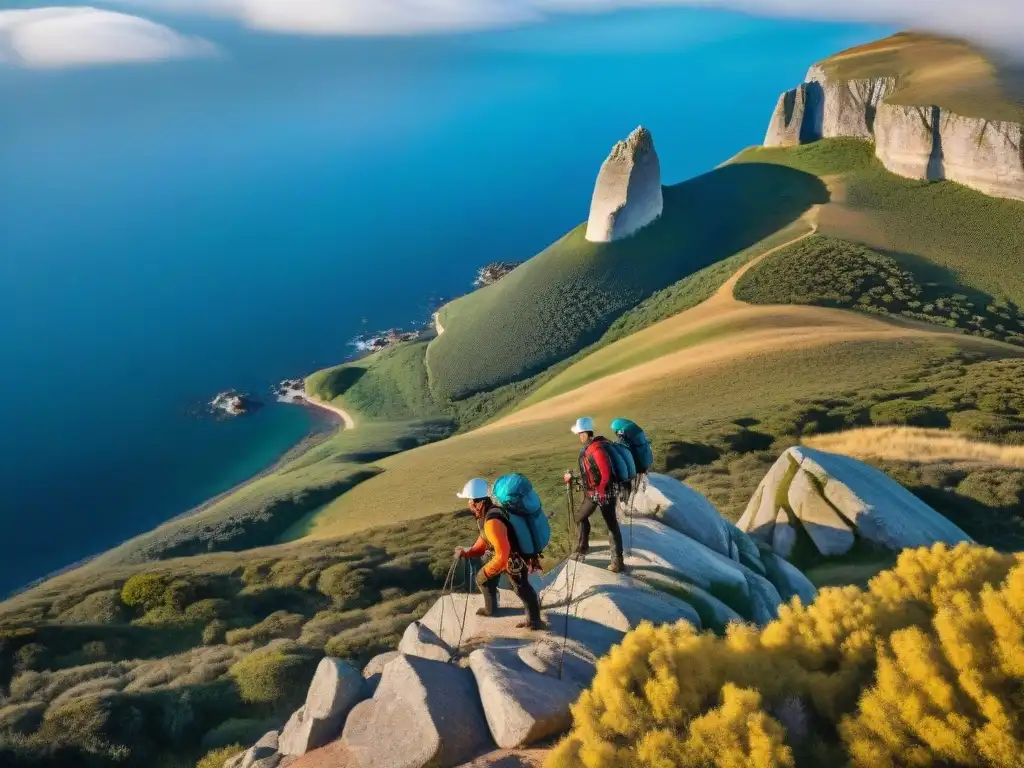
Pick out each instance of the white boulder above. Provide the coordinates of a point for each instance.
(681, 508)
(627, 195)
(522, 706)
(424, 713)
(263, 754)
(835, 495)
(420, 641)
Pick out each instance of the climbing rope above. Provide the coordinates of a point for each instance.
(445, 591)
(465, 608)
(570, 579)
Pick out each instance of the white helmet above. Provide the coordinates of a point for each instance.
(474, 489)
(583, 424)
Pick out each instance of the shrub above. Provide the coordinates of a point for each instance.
(274, 676)
(907, 412)
(944, 629)
(217, 757)
(207, 610)
(105, 607)
(981, 424)
(277, 624)
(144, 591)
(21, 718)
(348, 587)
(214, 632)
(31, 656)
(235, 731)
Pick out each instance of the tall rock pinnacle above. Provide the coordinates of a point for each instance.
(627, 195)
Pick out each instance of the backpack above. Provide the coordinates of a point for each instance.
(626, 456)
(521, 510)
(633, 437)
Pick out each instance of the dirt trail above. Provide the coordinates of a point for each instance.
(753, 330)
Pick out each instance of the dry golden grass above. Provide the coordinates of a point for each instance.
(915, 444)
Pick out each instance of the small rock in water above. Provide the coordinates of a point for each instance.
(232, 403)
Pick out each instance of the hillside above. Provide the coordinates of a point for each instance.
(798, 295)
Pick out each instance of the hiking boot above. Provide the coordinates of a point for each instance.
(615, 566)
(484, 612)
(534, 625)
(582, 551)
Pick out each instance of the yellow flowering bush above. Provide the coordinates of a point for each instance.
(924, 667)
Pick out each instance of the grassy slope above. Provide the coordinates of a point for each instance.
(947, 233)
(566, 297)
(934, 70)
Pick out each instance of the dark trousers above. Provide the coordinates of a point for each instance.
(519, 577)
(588, 508)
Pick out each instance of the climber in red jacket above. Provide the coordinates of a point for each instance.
(599, 489)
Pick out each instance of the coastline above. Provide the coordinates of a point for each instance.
(330, 420)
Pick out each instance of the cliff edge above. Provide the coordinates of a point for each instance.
(934, 108)
(627, 195)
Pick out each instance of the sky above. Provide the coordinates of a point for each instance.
(123, 31)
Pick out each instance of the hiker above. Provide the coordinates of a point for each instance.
(599, 487)
(497, 534)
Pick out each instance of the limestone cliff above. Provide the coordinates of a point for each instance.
(917, 141)
(627, 195)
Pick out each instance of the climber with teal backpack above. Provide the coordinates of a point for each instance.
(603, 470)
(517, 531)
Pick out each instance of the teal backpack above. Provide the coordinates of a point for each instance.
(523, 513)
(626, 459)
(633, 437)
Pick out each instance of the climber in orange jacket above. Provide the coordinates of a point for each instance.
(498, 535)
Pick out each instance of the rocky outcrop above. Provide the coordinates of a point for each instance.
(424, 713)
(336, 688)
(925, 141)
(522, 706)
(420, 641)
(263, 754)
(627, 195)
(462, 685)
(839, 108)
(788, 126)
(831, 501)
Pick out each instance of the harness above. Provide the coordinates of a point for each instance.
(516, 560)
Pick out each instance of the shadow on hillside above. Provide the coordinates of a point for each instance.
(710, 217)
(339, 380)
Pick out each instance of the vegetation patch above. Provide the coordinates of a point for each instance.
(566, 297)
(829, 272)
(848, 680)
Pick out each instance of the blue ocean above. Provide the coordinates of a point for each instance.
(168, 231)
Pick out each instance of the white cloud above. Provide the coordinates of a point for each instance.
(994, 21)
(69, 37)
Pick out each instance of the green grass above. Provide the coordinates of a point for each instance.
(943, 232)
(566, 297)
(829, 272)
(779, 397)
(124, 687)
(935, 70)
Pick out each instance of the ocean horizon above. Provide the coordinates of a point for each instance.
(173, 230)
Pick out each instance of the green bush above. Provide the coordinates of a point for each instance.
(103, 607)
(235, 731)
(215, 632)
(21, 719)
(273, 676)
(907, 413)
(831, 272)
(31, 656)
(346, 586)
(217, 757)
(144, 591)
(207, 610)
(276, 625)
(982, 424)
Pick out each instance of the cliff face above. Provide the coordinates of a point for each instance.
(917, 142)
(627, 195)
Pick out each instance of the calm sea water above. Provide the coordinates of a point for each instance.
(173, 230)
